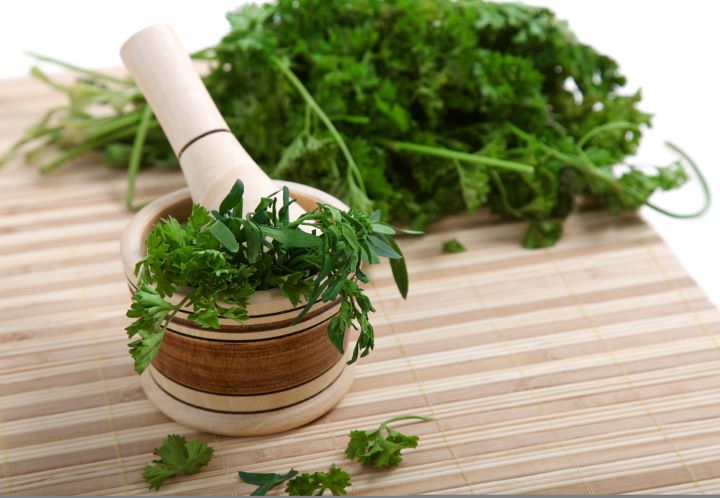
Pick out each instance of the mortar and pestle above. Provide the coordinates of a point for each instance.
(268, 374)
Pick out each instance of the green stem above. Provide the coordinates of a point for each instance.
(586, 166)
(39, 75)
(85, 148)
(405, 417)
(429, 150)
(707, 193)
(503, 194)
(616, 125)
(96, 127)
(354, 175)
(10, 152)
(77, 69)
(174, 312)
(136, 155)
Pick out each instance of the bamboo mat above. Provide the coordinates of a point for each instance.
(590, 368)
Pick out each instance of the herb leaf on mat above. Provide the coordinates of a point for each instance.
(265, 480)
(224, 258)
(334, 480)
(420, 108)
(452, 246)
(382, 448)
(177, 456)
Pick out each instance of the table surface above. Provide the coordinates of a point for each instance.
(590, 368)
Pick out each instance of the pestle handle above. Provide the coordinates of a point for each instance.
(210, 156)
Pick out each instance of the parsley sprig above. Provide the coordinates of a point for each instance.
(382, 447)
(334, 480)
(265, 480)
(221, 258)
(177, 456)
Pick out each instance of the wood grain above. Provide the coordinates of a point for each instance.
(592, 367)
(247, 367)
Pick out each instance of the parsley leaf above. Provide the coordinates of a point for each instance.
(177, 456)
(381, 448)
(150, 311)
(265, 481)
(452, 246)
(315, 484)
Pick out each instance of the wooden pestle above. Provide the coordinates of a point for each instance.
(211, 157)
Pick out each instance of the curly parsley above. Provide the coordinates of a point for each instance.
(421, 108)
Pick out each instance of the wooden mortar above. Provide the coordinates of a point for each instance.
(267, 374)
(263, 376)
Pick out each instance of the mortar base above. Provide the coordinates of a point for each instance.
(249, 423)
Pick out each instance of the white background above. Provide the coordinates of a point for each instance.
(668, 48)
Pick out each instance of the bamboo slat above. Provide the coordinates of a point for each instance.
(589, 368)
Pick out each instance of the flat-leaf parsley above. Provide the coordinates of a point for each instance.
(381, 448)
(177, 456)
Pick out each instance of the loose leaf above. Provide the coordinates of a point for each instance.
(335, 480)
(177, 456)
(452, 246)
(381, 448)
(265, 481)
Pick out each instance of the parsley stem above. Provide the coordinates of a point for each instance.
(136, 156)
(503, 194)
(38, 130)
(88, 146)
(707, 193)
(615, 125)
(458, 155)
(5, 157)
(584, 164)
(95, 128)
(87, 72)
(354, 175)
(405, 417)
(171, 315)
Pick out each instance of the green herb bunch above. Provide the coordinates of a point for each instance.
(221, 258)
(420, 108)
